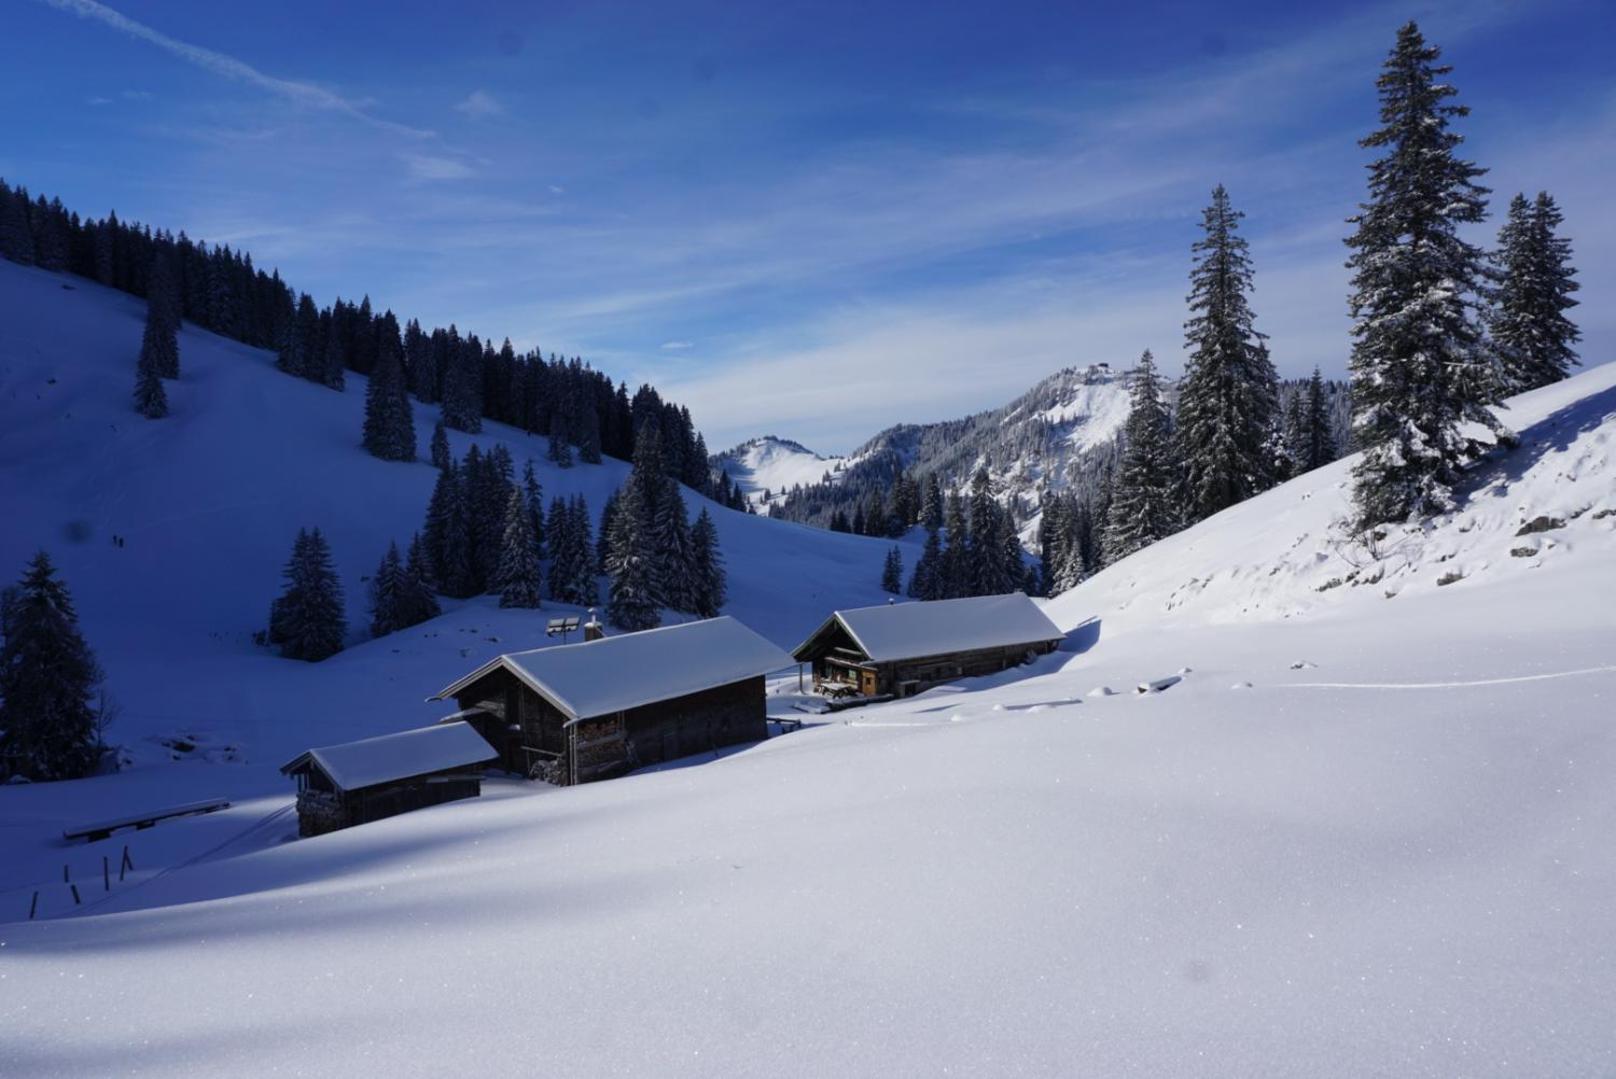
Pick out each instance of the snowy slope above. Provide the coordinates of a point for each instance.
(208, 501)
(1360, 836)
(775, 465)
(1288, 552)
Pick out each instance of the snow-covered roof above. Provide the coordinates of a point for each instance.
(370, 761)
(911, 630)
(597, 678)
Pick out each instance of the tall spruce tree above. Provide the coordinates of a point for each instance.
(447, 538)
(416, 602)
(1420, 371)
(161, 337)
(1531, 332)
(307, 621)
(633, 561)
(710, 588)
(151, 400)
(1143, 502)
(585, 590)
(517, 577)
(892, 571)
(1317, 447)
(1228, 399)
(389, 429)
(49, 716)
(927, 580)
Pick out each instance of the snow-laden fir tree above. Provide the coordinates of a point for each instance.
(633, 560)
(603, 544)
(49, 717)
(517, 578)
(533, 493)
(389, 430)
(956, 565)
(301, 351)
(1314, 445)
(446, 538)
(1144, 494)
(307, 621)
(386, 588)
(585, 589)
(927, 580)
(441, 457)
(892, 571)
(1420, 370)
(710, 586)
(151, 400)
(462, 403)
(416, 603)
(1227, 400)
(560, 453)
(670, 538)
(1534, 338)
(161, 338)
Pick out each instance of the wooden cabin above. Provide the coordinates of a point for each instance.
(573, 713)
(902, 648)
(356, 782)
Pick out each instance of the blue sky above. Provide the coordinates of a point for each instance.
(805, 219)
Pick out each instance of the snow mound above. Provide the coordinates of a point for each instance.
(1289, 551)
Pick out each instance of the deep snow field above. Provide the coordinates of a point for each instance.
(1368, 832)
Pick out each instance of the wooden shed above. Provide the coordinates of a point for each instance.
(355, 782)
(573, 713)
(901, 648)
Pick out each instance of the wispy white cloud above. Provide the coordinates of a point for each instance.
(480, 103)
(677, 346)
(428, 167)
(303, 93)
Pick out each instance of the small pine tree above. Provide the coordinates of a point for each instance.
(926, 581)
(49, 723)
(631, 599)
(534, 496)
(585, 590)
(416, 603)
(517, 576)
(386, 588)
(307, 620)
(1142, 507)
(1534, 338)
(441, 457)
(892, 572)
(711, 589)
(151, 400)
(448, 544)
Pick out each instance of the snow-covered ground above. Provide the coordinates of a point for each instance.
(1361, 835)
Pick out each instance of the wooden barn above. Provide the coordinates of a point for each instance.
(902, 648)
(355, 782)
(573, 713)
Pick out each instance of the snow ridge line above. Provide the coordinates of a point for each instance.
(1445, 685)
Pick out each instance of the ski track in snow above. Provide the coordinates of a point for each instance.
(1549, 676)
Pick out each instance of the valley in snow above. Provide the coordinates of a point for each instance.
(1366, 831)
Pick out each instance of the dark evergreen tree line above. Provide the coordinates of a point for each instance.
(220, 290)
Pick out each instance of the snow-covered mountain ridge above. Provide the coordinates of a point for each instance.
(1038, 442)
(772, 465)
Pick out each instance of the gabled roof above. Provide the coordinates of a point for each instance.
(597, 678)
(938, 627)
(370, 761)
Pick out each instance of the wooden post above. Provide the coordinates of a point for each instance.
(34, 905)
(106, 874)
(128, 862)
(76, 899)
